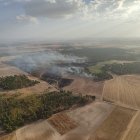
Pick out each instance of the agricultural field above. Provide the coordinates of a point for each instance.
(41, 130)
(123, 91)
(134, 129)
(84, 116)
(62, 122)
(114, 126)
(74, 111)
(68, 125)
(32, 108)
(86, 86)
(110, 123)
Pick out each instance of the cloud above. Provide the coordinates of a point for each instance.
(112, 9)
(51, 8)
(83, 9)
(26, 18)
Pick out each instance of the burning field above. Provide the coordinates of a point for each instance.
(61, 71)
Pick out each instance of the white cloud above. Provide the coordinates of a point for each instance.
(26, 18)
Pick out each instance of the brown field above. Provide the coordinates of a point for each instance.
(123, 90)
(85, 86)
(134, 129)
(9, 137)
(62, 123)
(114, 126)
(89, 118)
(37, 131)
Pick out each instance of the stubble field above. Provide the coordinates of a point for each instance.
(123, 91)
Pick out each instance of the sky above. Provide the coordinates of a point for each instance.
(69, 19)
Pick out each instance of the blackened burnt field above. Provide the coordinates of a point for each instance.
(58, 65)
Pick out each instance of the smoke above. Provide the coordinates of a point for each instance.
(80, 71)
(48, 61)
(38, 59)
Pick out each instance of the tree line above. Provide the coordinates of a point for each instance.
(16, 82)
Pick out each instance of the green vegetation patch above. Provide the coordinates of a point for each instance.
(95, 69)
(16, 112)
(98, 72)
(101, 71)
(16, 82)
(121, 69)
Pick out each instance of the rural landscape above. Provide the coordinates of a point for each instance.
(69, 93)
(69, 69)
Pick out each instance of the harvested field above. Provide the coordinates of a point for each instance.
(85, 86)
(123, 90)
(134, 129)
(114, 126)
(89, 118)
(62, 123)
(37, 131)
